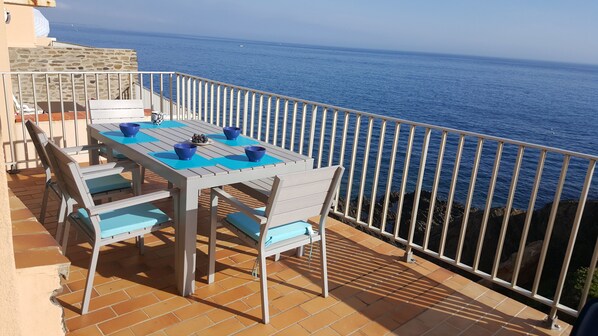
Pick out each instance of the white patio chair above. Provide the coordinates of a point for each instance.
(109, 222)
(103, 181)
(103, 111)
(282, 225)
(24, 108)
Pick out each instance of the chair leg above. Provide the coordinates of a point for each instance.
(300, 251)
(140, 244)
(142, 174)
(324, 266)
(264, 288)
(65, 236)
(277, 257)
(212, 243)
(61, 218)
(90, 276)
(42, 213)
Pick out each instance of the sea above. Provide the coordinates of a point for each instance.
(546, 103)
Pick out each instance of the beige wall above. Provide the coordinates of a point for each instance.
(20, 30)
(9, 311)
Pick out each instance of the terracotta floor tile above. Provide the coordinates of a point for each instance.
(155, 324)
(194, 309)
(350, 323)
(122, 322)
(165, 306)
(135, 303)
(293, 330)
(227, 327)
(89, 319)
(189, 326)
(319, 320)
(288, 317)
(258, 329)
(325, 332)
(91, 330)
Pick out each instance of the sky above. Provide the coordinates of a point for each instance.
(553, 30)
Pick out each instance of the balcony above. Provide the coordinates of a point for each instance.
(373, 292)
(509, 214)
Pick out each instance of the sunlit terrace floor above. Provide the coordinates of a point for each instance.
(372, 291)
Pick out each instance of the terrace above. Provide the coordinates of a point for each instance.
(398, 188)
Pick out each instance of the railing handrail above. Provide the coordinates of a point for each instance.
(402, 121)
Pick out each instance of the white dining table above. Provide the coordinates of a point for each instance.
(191, 181)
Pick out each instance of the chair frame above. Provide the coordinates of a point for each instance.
(40, 139)
(75, 191)
(102, 111)
(273, 218)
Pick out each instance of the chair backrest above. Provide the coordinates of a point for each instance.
(587, 321)
(69, 176)
(40, 139)
(298, 196)
(114, 111)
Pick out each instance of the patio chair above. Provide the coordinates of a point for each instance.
(109, 222)
(103, 111)
(103, 181)
(24, 108)
(282, 225)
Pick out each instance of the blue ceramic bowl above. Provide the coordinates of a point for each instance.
(185, 151)
(231, 132)
(255, 153)
(129, 129)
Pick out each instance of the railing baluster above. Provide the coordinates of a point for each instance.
(61, 101)
(376, 170)
(528, 218)
(451, 196)
(404, 181)
(224, 107)
(232, 106)
(295, 107)
(206, 93)
(211, 103)
(484, 224)
(364, 170)
(470, 191)
(572, 238)
(550, 226)
(312, 131)
(109, 87)
(218, 106)
(509, 206)
(252, 125)
(417, 194)
(341, 158)
(332, 137)
(260, 116)
(75, 110)
(86, 97)
(284, 124)
(276, 112)
(302, 136)
(322, 135)
(391, 169)
(151, 76)
(435, 189)
(11, 136)
(352, 164)
(245, 111)
(49, 99)
(268, 119)
(21, 114)
(194, 107)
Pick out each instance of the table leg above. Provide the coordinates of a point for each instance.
(94, 155)
(185, 241)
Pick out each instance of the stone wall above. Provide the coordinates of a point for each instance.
(60, 59)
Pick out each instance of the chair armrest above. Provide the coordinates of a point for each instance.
(107, 169)
(252, 213)
(82, 148)
(135, 200)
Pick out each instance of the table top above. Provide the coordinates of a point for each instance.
(202, 177)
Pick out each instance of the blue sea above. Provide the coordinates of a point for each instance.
(553, 104)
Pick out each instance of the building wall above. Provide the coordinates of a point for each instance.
(60, 59)
(9, 307)
(20, 31)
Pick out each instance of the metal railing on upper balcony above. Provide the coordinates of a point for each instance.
(451, 194)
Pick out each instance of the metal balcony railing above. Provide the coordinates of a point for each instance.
(507, 211)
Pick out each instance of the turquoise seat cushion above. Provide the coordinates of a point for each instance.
(107, 183)
(275, 235)
(117, 155)
(126, 219)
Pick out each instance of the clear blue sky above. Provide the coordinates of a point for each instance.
(558, 30)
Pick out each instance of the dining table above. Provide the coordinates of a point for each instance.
(218, 163)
